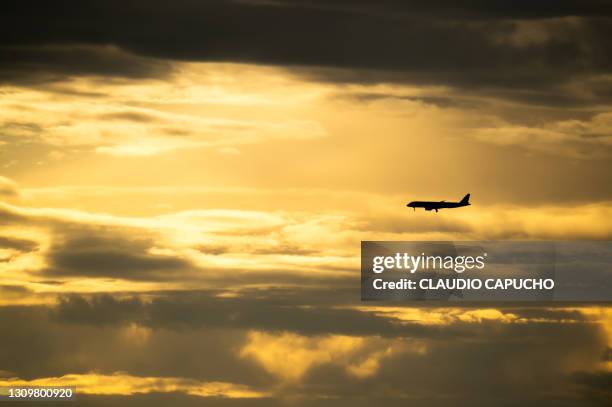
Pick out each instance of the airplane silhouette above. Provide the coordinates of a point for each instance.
(432, 205)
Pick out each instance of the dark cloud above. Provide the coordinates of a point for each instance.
(438, 101)
(195, 310)
(102, 253)
(153, 337)
(9, 216)
(52, 348)
(304, 311)
(41, 63)
(21, 245)
(111, 253)
(474, 9)
(100, 310)
(171, 399)
(26, 130)
(80, 249)
(595, 386)
(13, 290)
(129, 116)
(283, 249)
(478, 46)
(215, 249)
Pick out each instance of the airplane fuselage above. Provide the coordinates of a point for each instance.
(435, 205)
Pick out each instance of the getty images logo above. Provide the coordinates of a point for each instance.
(407, 262)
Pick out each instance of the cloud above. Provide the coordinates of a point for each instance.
(251, 309)
(304, 312)
(595, 386)
(108, 254)
(473, 47)
(166, 248)
(140, 118)
(290, 356)
(573, 138)
(497, 222)
(414, 365)
(123, 384)
(31, 65)
(22, 245)
(206, 248)
(8, 188)
(14, 294)
(185, 263)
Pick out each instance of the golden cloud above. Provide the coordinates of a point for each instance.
(125, 384)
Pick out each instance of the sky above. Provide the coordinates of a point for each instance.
(184, 187)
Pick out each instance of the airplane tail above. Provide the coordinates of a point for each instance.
(466, 199)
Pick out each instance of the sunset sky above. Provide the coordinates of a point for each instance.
(184, 187)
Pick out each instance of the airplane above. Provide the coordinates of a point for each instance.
(432, 205)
